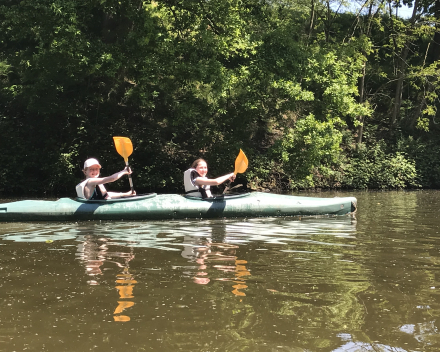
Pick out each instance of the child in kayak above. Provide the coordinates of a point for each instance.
(93, 186)
(196, 182)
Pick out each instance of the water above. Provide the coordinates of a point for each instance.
(343, 284)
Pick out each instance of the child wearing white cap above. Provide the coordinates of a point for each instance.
(92, 187)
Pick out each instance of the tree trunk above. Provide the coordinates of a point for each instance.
(312, 18)
(401, 67)
(432, 57)
(360, 127)
(361, 86)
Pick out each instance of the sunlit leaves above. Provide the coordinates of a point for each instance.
(206, 78)
(312, 144)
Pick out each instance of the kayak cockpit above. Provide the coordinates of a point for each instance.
(219, 198)
(117, 200)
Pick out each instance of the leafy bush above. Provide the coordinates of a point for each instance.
(371, 167)
(426, 155)
(312, 148)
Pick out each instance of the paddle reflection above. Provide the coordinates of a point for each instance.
(125, 286)
(240, 273)
(93, 251)
(219, 256)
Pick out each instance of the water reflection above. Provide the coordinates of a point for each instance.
(327, 284)
(211, 249)
(93, 252)
(125, 287)
(220, 256)
(358, 346)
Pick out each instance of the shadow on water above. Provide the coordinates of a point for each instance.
(317, 284)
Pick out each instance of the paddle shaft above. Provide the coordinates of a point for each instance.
(129, 177)
(228, 186)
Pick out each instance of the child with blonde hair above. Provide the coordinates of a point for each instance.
(92, 188)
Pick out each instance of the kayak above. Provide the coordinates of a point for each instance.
(173, 206)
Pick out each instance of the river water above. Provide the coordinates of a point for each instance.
(340, 284)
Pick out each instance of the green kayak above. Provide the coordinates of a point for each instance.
(173, 206)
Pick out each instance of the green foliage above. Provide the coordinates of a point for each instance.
(186, 79)
(426, 154)
(372, 167)
(333, 76)
(425, 83)
(311, 144)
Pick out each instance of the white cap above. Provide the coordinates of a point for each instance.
(90, 162)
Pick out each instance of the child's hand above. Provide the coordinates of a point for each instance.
(232, 178)
(128, 171)
(128, 194)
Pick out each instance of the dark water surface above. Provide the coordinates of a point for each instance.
(369, 283)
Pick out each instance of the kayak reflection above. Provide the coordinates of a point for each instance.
(220, 255)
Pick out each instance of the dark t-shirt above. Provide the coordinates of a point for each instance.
(97, 194)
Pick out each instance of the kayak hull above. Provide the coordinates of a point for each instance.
(174, 206)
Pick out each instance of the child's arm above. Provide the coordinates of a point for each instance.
(200, 181)
(103, 180)
(113, 195)
(118, 175)
(95, 182)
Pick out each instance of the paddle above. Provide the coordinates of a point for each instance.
(124, 147)
(241, 164)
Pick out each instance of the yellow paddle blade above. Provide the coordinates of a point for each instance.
(241, 163)
(124, 147)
